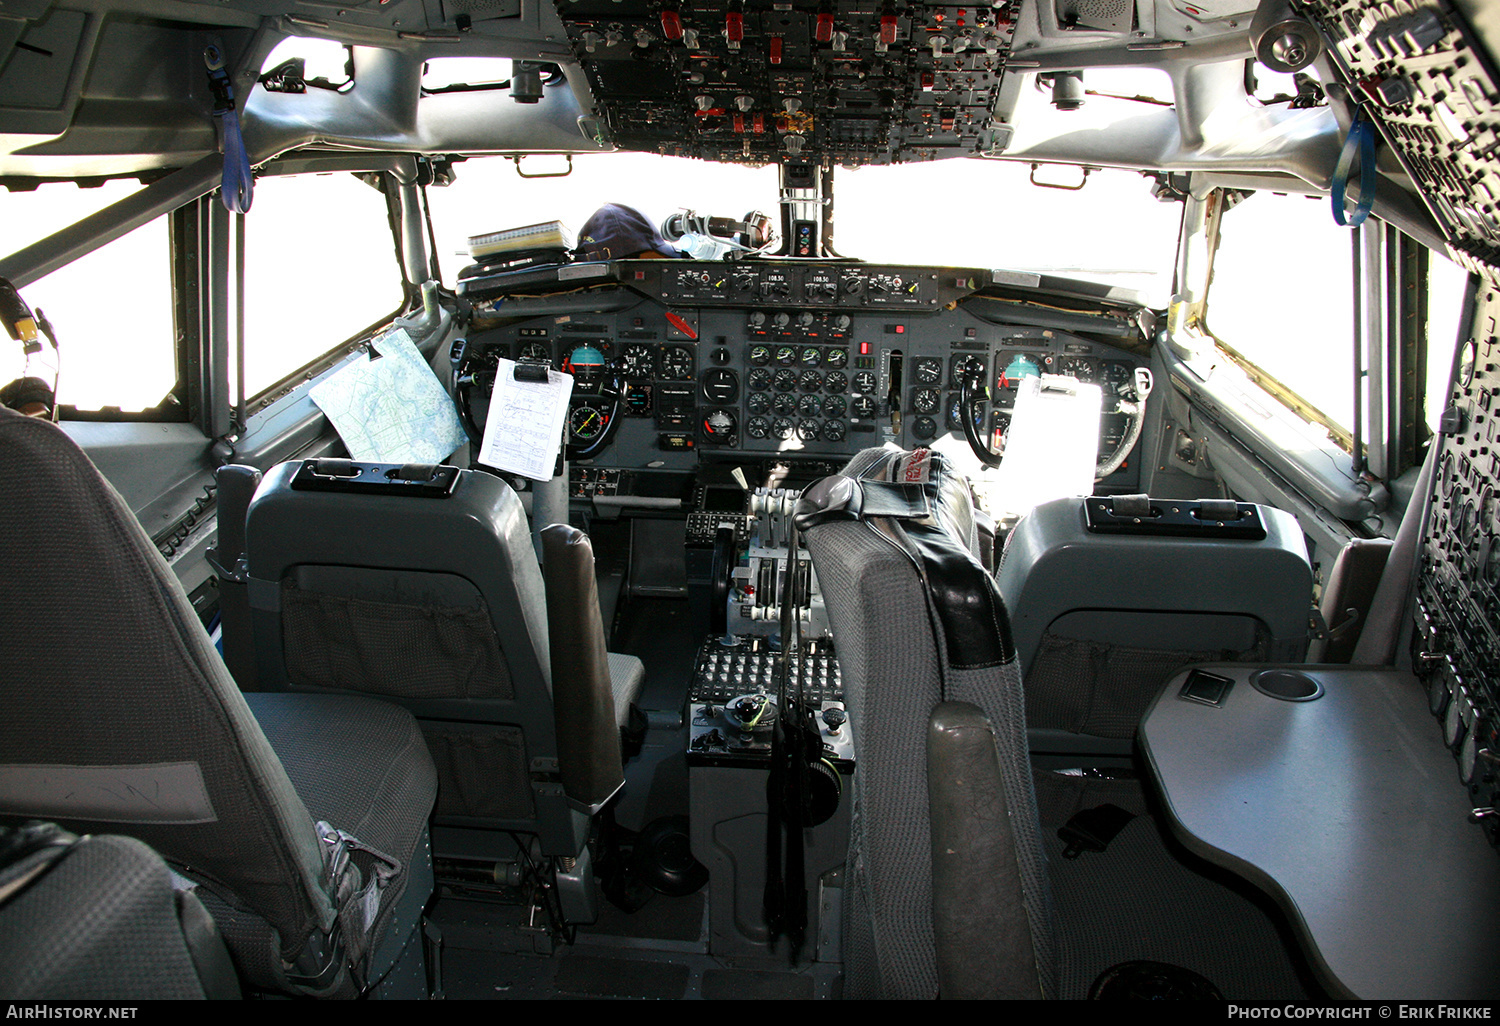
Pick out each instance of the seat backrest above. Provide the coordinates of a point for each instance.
(918, 621)
(1102, 618)
(119, 715)
(432, 598)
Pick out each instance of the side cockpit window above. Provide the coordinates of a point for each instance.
(111, 309)
(320, 268)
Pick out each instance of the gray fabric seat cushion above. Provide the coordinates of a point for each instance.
(358, 763)
(103, 923)
(627, 675)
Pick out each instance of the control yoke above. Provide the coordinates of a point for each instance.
(1131, 399)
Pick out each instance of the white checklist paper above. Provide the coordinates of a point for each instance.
(523, 431)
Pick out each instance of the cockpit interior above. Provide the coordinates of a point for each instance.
(778, 499)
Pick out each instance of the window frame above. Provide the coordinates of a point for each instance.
(1390, 273)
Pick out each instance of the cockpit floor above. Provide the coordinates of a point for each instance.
(1145, 897)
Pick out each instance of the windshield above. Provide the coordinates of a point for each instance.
(985, 213)
(488, 195)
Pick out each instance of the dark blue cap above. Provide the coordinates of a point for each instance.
(617, 232)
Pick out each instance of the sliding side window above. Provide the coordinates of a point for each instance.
(1281, 304)
(320, 269)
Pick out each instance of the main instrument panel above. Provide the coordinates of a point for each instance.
(816, 361)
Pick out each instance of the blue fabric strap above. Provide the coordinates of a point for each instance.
(237, 188)
(1361, 140)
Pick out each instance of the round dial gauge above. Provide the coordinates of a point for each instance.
(926, 400)
(1468, 755)
(587, 422)
(1117, 374)
(757, 427)
(637, 362)
(955, 422)
(758, 402)
(808, 430)
(834, 406)
(833, 431)
(1078, 367)
(929, 372)
(677, 363)
(809, 406)
(811, 381)
(1454, 722)
(785, 380)
(811, 356)
(1492, 564)
(720, 385)
(923, 428)
(836, 358)
(759, 380)
(760, 355)
(781, 428)
(863, 406)
(864, 382)
(535, 352)
(785, 403)
(833, 381)
(963, 366)
(786, 355)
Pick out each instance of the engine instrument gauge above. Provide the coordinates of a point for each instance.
(836, 358)
(785, 403)
(760, 355)
(758, 402)
(835, 382)
(811, 381)
(809, 406)
(535, 352)
(864, 382)
(810, 356)
(759, 379)
(833, 431)
(808, 430)
(785, 380)
(781, 428)
(863, 407)
(757, 427)
(834, 406)
(786, 355)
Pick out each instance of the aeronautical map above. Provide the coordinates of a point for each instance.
(392, 409)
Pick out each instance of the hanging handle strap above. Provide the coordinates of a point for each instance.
(1361, 142)
(238, 184)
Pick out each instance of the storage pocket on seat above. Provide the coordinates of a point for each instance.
(481, 770)
(391, 649)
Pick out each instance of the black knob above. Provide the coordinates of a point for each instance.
(835, 718)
